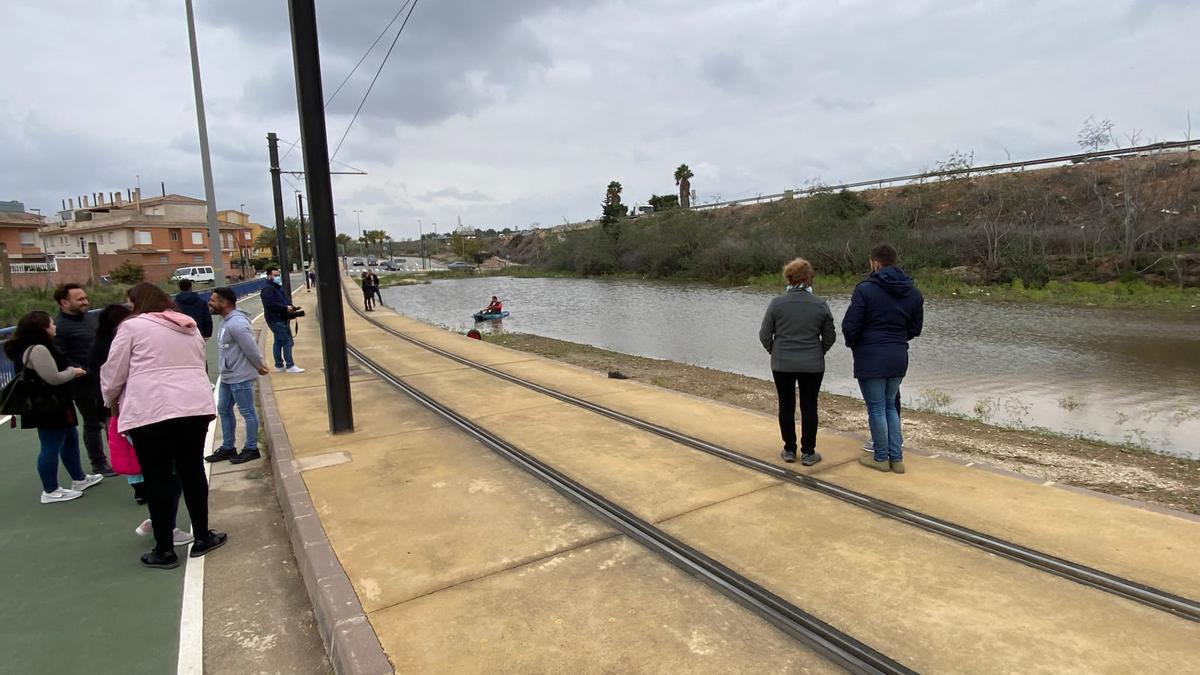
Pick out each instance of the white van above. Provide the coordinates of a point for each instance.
(196, 274)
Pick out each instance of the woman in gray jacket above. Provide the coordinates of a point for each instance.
(797, 331)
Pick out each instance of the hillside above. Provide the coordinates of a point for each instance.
(1135, 218)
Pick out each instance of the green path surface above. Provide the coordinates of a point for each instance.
(73, 595)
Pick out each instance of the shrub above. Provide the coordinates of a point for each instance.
(127, 273)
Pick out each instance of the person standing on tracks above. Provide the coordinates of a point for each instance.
(241, 363)
(885, 313)
(796, 331)
(277, 310)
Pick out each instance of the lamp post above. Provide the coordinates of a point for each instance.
(214, 230)
(358, 221)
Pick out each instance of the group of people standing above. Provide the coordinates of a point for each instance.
(138, 373)
(886, 311)
(370, 289)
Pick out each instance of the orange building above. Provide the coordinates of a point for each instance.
(19, 234)
(160, 233)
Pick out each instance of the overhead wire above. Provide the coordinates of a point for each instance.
(354, 70)
(374, 79)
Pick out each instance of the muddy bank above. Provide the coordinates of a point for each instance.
(1135, 474)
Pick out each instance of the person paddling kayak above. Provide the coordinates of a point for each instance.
(494, 307)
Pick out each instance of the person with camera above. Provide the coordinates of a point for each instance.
(278, 310)
(241, 363)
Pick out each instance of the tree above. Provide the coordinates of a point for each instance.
(268, 239)
(344, 241)
(128, 273)
(1093, 136)
(613, 208)
(683, 176)
(664, 202)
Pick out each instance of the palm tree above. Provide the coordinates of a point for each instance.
(683, 177)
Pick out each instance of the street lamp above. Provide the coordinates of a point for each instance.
(358, 220)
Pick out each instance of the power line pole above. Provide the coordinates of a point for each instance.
(214, 231)
(300, 231)
(311, 102)
(281, 242)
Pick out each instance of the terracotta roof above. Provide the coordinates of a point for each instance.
(8, 219)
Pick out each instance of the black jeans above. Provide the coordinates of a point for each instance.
(93, 417)
(809, 385)
(169, 450)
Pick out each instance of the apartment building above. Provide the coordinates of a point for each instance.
(159, 232)
(242, 219)
(19, 232)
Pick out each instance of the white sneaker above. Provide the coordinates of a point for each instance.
(89, 479)
(295, 369)
(178, 537)
(868, 447)
(60, 495)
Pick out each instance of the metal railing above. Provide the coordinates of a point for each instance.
(6, 366)
(951, 173)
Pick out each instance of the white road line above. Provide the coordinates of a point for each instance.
(191, 618)
(4, 420)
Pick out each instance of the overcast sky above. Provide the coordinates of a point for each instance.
(510, 112)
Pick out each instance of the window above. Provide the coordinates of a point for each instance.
(144, 238)
(246, 235)
(110, 237)
(174, 235)
(29, 239)
(162, 259)
(197, 237)
(197, 258)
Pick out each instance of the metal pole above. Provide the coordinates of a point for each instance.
(311, 102)
(358, 220)
(421, 230)
(300, 232)
(214, 231)
(281, 242)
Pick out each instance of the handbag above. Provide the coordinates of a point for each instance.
(28, 394)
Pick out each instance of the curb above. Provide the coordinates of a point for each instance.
(350, 641)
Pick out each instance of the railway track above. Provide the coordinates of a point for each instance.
(1150, 596)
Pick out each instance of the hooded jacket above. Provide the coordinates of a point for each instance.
(796, 331)
(155, 371)
(275, 303)
(193, 305)
(886, 311)
(239, 354)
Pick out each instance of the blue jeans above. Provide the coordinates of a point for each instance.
(884, 419)
(282, 348)
(60, 442)
(241, 393)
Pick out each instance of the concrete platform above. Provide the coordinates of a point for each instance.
(448, 546)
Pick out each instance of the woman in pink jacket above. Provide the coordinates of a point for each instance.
(156, 374)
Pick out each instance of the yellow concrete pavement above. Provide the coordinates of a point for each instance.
(464, 563)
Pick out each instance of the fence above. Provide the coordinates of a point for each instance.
(6, 366)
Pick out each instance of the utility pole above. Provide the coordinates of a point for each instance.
(421, 230)
(300, 229)
(281, 242)
(214, 231)
(358, 220)
(311, 102)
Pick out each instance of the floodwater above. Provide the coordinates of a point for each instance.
(1125, 376)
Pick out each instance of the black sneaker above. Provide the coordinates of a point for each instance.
(139, 493)
(105, 470)
(222, 454)
(162, 561)
(208, 542)
(788, 456)
(246, 455)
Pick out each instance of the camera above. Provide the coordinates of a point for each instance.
(295, 313)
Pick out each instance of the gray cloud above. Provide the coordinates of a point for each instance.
(454, 194)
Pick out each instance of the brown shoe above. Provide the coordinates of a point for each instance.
(869, 461)
(898, 466)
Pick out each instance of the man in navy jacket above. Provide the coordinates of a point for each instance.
(193, 305)
(886, 311)
(276, 310)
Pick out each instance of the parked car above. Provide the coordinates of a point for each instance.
(460, 265)
(372, 261)
(260, 275)
(198, 274)
(357, 262)
(390, 266)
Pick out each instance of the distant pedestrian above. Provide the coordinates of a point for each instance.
(277, 310)
(241, 364)
(375, 288)
(312, 279)
(886, 311)
(193, 305)
(76, 330)
(796, 331)
(31, 346)
(368, 292)
(155, 377)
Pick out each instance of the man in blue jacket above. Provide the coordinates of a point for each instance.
(277, 308)
(886, 311)
(193, 305)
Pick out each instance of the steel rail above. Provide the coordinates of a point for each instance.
(1157, 598)
(834, 644)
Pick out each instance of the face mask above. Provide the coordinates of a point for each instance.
(278, 281)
